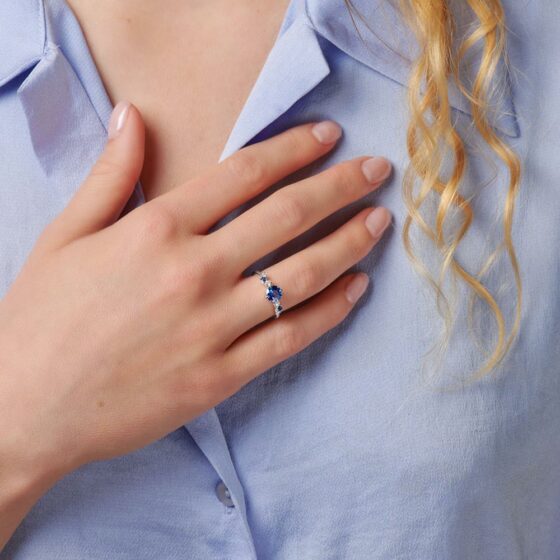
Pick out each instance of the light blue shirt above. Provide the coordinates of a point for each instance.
(340, 452)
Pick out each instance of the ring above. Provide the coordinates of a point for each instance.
(273, 292)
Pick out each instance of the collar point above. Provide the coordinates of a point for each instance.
(23, 37)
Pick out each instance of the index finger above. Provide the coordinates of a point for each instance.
(204, 200)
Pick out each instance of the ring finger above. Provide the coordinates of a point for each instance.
(306, 273)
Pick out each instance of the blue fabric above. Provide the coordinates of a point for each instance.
(341, 451)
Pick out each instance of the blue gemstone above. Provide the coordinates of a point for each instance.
(273, 293)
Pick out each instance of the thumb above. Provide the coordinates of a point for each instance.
(102, 196)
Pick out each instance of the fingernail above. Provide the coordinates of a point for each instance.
(327, 132)
(376, 169)
(377, 221)
(118, 118)
(357, 287)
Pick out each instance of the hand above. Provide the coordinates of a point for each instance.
(118, 331)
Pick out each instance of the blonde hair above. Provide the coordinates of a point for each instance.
(437, 153)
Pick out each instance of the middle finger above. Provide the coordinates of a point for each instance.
(294, 209)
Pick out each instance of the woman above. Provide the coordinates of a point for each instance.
(155, 404)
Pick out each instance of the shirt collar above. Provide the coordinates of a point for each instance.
(23, 37)
(385, 43)
(295, 65)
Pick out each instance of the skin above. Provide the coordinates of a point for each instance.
(118, 331)
(147, 54)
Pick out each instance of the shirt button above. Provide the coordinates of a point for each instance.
(223, 494)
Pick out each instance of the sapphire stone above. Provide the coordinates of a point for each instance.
(273, 293)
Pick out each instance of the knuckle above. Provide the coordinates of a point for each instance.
(196, 389)
(288, 209)
(307, 280)
(177, 279)
(295, 140)
(216, 261)
(190, 277)
(106, 167)
(232, 380)
(336, 311)
(206, 268)
(245, 166)
(217, 380)
(357, 242)
(289, 340)
(158, 222)
(344, 180)
(338, 314)
(199, 332)
(213, 260)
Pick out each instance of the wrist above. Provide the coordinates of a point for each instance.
(22, 483)
(29, 458)
(23, 472)
(28, 465)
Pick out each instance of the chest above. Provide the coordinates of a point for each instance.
(189, 70)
